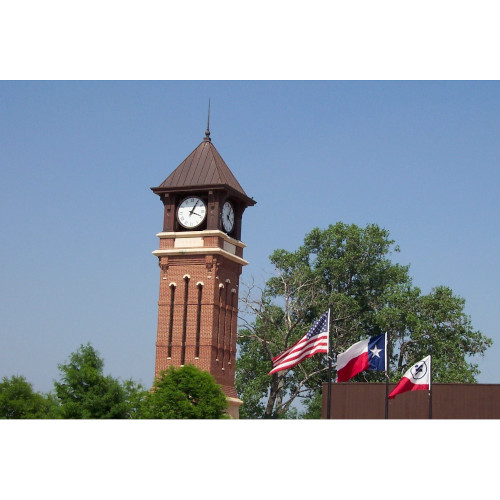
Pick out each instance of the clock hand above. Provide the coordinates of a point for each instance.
(192, 210)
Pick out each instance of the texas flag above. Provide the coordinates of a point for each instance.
(368, 354)
(417, 378)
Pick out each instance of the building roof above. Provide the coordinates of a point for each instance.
(204, 168)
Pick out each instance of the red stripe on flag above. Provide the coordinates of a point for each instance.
(353, 367)
(405, 385)
(300, 351)
(284, 354)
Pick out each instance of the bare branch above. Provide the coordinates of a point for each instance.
(284, 406)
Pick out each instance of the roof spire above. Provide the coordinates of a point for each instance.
(207, 132)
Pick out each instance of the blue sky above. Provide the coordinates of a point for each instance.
(79, 222)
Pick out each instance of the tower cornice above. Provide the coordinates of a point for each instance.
(194, 243)
(200, 251)
(197, 234)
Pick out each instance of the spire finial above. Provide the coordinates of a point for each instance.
(207, 133)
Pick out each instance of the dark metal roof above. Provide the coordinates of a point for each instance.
(203, 168)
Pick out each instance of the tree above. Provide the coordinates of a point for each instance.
(348, 270)
(18, 400)
(184, 393)
(433, 324)
(84, 392)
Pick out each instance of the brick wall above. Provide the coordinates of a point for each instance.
(197, 314)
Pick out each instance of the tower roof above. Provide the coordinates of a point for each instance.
(203, 169)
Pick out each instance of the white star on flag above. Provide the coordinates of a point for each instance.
(363, 355)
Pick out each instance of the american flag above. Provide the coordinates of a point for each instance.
(313, 342)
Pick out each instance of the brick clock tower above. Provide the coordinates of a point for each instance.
(201, 259)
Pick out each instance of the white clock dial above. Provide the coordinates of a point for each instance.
(227, 217)
(191, 212)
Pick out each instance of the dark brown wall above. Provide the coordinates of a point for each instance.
(449, 401)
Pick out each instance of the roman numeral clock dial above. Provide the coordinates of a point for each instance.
(191, 212)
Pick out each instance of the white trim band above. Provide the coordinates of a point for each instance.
(200, 251)
(198, 234)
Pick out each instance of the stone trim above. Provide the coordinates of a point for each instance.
(233, 409)
(208, 232)
(200, 251)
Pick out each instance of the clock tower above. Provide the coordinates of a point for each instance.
(200, 257)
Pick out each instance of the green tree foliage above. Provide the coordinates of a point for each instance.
(83, 391)
(19, 400)
(349, 270)
(184, 393)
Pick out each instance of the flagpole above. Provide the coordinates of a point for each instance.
(329, 398)
(386, 375)
(430, 387)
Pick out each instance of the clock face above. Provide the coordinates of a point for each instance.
(227, 217)
(191, 212)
